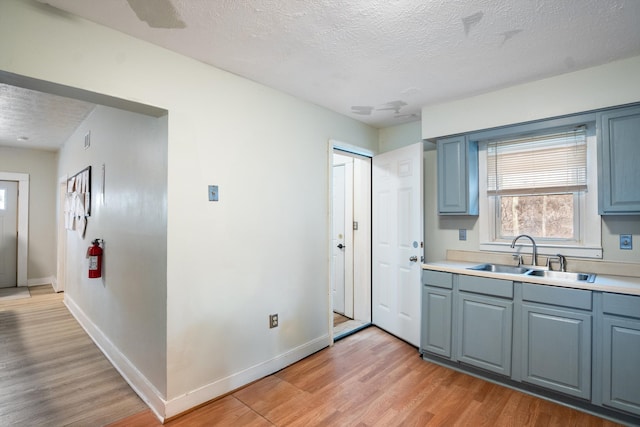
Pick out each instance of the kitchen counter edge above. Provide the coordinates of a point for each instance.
(605, 283)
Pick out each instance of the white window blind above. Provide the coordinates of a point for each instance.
(543, 164)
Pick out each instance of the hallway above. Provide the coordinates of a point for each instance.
(52, 373)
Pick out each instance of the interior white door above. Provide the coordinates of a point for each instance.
(338, 240)
(8, 233)
(397, 241)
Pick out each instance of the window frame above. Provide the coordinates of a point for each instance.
(590, 237)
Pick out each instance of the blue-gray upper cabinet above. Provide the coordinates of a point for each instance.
(457, 176)
(556, 339)
(618, 159)
(621, 352)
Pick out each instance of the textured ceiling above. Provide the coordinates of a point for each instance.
(32, 119)
(380, 61)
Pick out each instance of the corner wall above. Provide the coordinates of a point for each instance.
(125, 310)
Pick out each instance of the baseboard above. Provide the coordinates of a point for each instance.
(138, 382)
(54, 284)
(223, 386)
(40, 281)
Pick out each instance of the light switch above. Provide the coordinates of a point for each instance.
(213, 193)
(626, 241)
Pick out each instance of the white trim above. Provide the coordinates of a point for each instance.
(217, 388)
(23, 222)
(138, 382)
(339, 145)
(61, 236)
(524, 248)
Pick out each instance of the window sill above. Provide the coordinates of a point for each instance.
(544, 249)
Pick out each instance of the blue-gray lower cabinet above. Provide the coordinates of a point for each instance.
(437, 308)
(556, 349)
(484, 332)
(436, 324)
(621, 353)
(574, 343)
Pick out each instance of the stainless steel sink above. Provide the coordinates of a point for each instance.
(558, 275)
(499, 268)
(563, 275)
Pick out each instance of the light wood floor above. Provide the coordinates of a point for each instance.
(373, 379)
(51, 373)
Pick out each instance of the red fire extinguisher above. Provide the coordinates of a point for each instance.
(94, 254)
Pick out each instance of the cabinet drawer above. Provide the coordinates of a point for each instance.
(437, 278)
(623, 305)
(486, 286)
(566, 297)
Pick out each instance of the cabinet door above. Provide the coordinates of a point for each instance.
(484, 332)
(556, 351)
(619, 156)
(621, 358)
(436, 323)
(457, 176)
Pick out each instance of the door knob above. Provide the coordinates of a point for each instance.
(413, 258)
(341, 246)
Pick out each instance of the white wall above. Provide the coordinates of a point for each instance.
(263, 247)
(397, 136)
(604, 86)
(41, 167)
(128, 304)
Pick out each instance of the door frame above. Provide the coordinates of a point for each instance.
(23, 223)
(61, 238)
(358, 293)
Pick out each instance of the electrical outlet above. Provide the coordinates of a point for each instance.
(626, 241)
(273, 321)
(462, 234)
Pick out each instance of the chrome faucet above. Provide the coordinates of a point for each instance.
(563, 262)
(535, 248)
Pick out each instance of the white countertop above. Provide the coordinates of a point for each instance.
(606, 283)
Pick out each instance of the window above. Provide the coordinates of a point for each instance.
(534, 183)
(544, 185)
